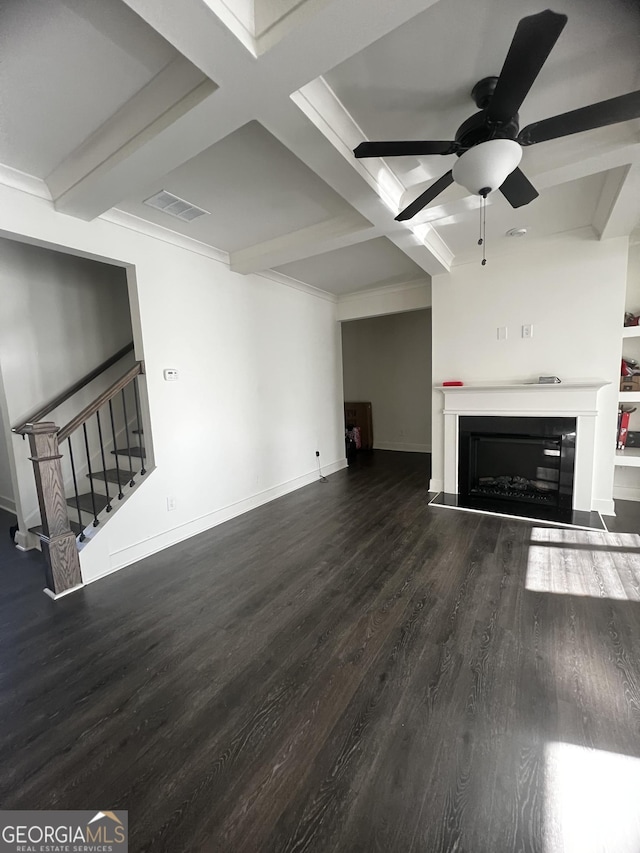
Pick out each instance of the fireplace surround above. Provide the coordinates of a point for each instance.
(520, 402)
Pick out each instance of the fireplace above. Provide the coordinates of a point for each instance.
(570, 412)
(507, 463)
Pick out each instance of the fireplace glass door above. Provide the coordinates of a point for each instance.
(515, 468)
(512, 460)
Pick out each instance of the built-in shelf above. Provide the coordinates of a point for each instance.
(631, 332)
(629, 396)
(628, 458)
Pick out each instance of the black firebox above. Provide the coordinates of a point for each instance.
(508, 463)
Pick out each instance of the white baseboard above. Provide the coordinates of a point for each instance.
(147, 547)
(604, 507)
(56, 596)
(436, 485)
(27, 541)
(626, 493)
(407, 448)
(7, 504)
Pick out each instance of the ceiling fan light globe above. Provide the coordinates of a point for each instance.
(486, 166)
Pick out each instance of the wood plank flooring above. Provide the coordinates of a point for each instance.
(345, 669)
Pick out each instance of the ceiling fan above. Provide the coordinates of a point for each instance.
(489, 143)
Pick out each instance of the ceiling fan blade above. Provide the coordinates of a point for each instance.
(427, 196)
(403, 149)
(518, 189)
(532, 43)
(622, 108)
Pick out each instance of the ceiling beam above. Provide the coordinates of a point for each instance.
(171, 94)
(125, 156)
(336, 233)
(94, 179)
(289, 124)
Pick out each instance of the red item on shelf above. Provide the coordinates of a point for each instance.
(623, 429)
(455, 383)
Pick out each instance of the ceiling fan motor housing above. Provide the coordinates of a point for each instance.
(478, 128)
(483, 91)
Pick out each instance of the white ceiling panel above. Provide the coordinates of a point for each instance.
(253, 186)
(371, 264)
(561, 208)
(66, 66)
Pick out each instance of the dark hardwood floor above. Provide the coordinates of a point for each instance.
(345, 669)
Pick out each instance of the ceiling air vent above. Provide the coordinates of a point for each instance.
(174, 206)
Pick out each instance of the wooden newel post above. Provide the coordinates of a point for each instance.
(58, 540)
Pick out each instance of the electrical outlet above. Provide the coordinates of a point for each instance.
(171, 503)
(527, 331)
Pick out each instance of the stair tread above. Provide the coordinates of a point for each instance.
(112, 476)
(77, 528)
(85, 503)
(135, 451)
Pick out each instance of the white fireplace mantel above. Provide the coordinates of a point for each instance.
(571, 399)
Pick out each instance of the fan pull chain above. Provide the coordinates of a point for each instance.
(482, 240)
(484, 230)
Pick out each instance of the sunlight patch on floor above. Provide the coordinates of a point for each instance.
(584, 562)
(592, 800)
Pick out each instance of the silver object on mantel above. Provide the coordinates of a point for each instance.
(548, 380)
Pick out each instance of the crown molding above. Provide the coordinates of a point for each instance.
(158, 232)
(398, 287)
(280, 278)
(166, 235)
(24, 182)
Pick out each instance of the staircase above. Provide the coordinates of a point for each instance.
(85, 469)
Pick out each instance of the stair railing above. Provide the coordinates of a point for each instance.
(41, 413)
(103, 422)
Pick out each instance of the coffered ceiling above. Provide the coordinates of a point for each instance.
(250, 109)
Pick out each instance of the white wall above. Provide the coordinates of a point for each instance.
(7, 500)
(633, 279)
(572, 290)
(260, 386)
(60, 317)
(387, 361)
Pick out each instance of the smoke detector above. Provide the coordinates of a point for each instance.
(516, 232)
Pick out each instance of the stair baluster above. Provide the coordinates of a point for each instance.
(75, 490)
(96, 522)
(126, 429)
(139, 425)
(104, 464)
(113, 434)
